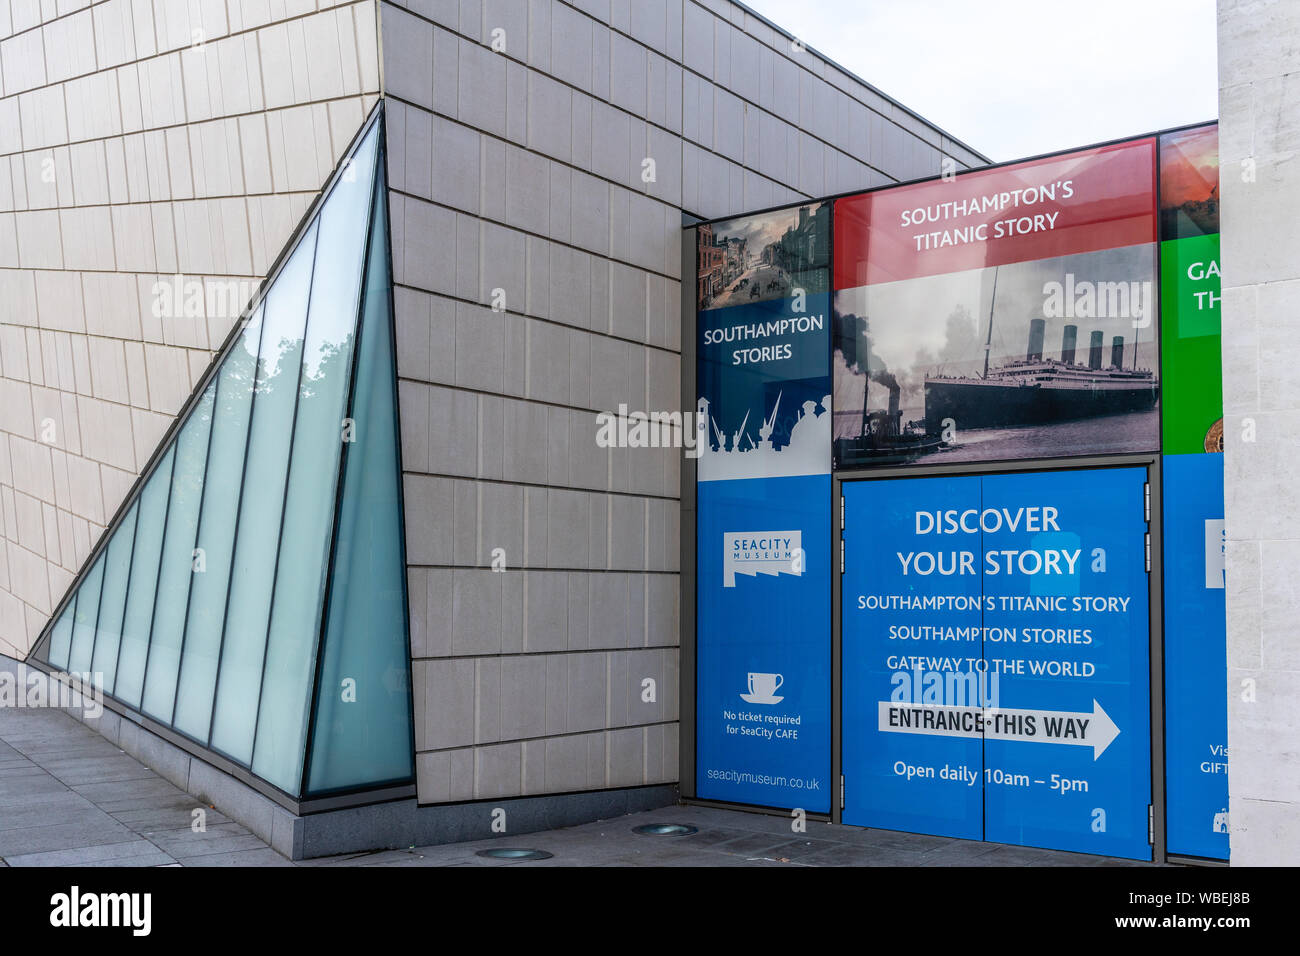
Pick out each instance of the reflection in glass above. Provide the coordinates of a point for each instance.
(112, 602)
(143, 584)
(216, 580)
(317, 440)
(216, 534)
(367, 740)
(61, 635)
(178, 561)
(248, 606)
(83, 623)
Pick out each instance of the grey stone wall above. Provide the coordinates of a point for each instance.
(1259, 130)
(518, 133)
(140, 139)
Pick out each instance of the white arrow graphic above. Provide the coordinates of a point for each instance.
(1095, 730)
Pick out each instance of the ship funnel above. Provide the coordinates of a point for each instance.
(1069, 337)
(1117, 351)
(1094, 350)
(1036, 328)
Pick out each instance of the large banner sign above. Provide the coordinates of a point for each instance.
(1196, 735)
(763, 533)
(995, 634)
(765, 389)
(1079, 202)
(1196, 665)
(996, 627)
(1190, 289)
(999, 315)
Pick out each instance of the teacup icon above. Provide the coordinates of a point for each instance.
(763, 688)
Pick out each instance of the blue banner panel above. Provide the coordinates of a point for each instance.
(911, 638)
(763, 660)
(764, 382)
(1196, 669)
(1067, 635)
(995, 651)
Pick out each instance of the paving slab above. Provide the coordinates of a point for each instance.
(259, 857)
(79, 771)
(148, 819)
(222, 838)
(90, 855)
(89, 832)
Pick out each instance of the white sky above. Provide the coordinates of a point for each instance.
(1014, 78)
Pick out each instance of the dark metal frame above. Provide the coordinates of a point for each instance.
(686, 537)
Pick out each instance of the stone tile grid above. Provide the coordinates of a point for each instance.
(129, 153)
(832, 92)
(499, 182)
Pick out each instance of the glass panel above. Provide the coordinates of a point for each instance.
(205, 607)
(368, 740)
(313, 471)
(216, 534)
(112, 602)
(144, 583)
(249, 602)
(83, 623)
(177, 560)
(61, 636)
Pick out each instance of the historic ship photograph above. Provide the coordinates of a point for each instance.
(968, 399)
(1038, 388)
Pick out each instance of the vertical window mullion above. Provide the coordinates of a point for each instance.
(239, 501)
(162, 545)
(288, 473)
(198, 528)
(126, 591)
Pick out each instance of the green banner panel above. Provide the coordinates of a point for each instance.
(1192, 365)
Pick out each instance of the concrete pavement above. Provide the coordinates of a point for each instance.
(70, 797)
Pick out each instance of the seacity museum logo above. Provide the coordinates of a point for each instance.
(761, 552)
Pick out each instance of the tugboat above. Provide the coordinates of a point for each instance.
(883, 438)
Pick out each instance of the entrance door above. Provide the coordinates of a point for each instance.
(995, 658)
(921, 782)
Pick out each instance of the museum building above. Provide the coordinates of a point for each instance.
(315, 315)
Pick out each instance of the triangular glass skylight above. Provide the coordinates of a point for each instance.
(250, 594)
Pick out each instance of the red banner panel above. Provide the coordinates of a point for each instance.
(1093, 199)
